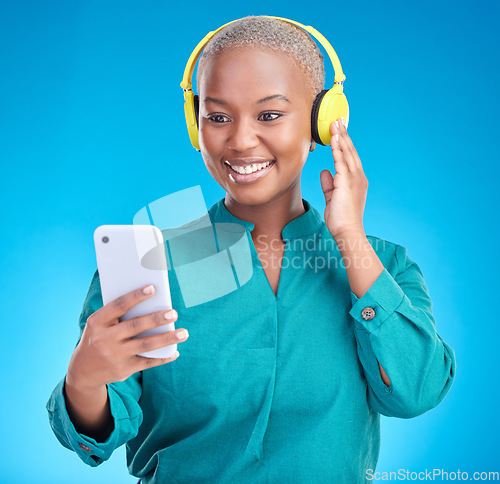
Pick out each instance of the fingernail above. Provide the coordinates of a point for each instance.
(182, 334)
(343, 122)
(170, 314)
(149, 289)
(337, 124)
(337, 137)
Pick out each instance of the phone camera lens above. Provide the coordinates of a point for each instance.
(105, 240)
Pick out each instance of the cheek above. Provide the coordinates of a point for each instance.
(211, 150)
(212, 146)
(208, 159)
(291, 140)
(204, 141)
(212, 168)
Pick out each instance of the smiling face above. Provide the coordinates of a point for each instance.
(255, 109)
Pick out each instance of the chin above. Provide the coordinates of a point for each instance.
(253, 196)
(250, 199)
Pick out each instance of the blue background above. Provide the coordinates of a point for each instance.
(92, 129)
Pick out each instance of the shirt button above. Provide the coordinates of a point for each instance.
(84, 447)
(368, 314)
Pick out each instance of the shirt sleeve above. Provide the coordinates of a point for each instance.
(123, 400)
(402, 337)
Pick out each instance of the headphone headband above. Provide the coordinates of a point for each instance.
(329, 105)
(186, 83)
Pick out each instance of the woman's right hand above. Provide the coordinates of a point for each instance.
(107, 352)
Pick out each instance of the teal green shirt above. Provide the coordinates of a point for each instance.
(272, 389)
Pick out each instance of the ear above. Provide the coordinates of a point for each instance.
(313, 145)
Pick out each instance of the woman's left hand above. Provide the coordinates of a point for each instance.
(345, 194)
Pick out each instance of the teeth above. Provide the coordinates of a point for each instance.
(247, 170)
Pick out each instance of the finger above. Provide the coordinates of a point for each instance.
(344, 144)
(327, 185)
(132, 327)
(108, 315)
(150, 343)
(352, 158)
(141, 363)
(338, 155)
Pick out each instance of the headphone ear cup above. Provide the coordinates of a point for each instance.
(314, 116)
(191, 107)
(332, 106)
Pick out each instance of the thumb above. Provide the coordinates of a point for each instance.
(327, 185)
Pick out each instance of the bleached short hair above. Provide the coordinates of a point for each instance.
(271, 33)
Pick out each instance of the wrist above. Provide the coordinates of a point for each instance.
(348, 233)
(89, 410)
(79, 386)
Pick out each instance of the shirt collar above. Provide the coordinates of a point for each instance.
(300, 227)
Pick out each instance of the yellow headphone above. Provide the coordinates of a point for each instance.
(329, 105)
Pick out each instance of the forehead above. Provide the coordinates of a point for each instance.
(253, 70)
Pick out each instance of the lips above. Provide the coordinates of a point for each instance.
(246, 178)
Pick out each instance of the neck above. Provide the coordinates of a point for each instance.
(268, 218)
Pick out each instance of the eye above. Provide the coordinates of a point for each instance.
(218, 118)
(269, 116)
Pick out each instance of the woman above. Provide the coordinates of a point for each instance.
(285, 378)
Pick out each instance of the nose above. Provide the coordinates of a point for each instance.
(243, 136)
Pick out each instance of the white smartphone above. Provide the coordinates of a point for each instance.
(129, 257)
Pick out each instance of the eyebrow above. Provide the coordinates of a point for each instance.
(274, 96)
(213, 100)
(260, 101)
